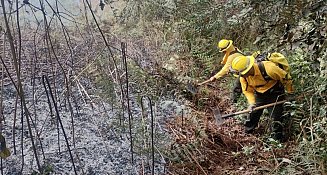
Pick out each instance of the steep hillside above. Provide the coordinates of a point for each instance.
(191, 30)
(111, 87)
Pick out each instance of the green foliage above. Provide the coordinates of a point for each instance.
(99, 74)
(296, 28)
(150, 10)
(309, 111)
(203, 23)
(145, 84)
(248, 150)
(270, 25)
(46, 169)
(206, 63)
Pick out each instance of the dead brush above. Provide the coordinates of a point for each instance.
(202, 147)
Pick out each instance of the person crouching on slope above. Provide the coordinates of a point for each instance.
(231, 52)
(260, 91)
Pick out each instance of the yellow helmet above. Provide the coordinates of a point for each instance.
(224, 45)
(242, 64)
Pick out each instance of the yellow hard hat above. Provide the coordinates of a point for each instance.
(242, 64)
(224, 44)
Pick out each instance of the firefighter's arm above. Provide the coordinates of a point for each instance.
(225, 69)
(248, 91)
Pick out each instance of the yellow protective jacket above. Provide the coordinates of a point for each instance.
(257, 82)
(227, 61)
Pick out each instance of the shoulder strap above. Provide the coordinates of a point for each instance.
(263, 71)
(239, 79)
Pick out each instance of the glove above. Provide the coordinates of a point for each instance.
(289, 87)
(251, 107)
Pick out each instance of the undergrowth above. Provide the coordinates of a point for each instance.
(190, 31)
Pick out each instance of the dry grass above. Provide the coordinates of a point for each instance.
(203, 147)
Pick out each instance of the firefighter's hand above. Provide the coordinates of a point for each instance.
(251, 107)
(212, 79)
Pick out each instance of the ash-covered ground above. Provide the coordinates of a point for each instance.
(97, 132)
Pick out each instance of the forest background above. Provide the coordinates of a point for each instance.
(169, 45)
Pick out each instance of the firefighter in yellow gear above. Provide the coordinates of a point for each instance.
(231, 52)
(260, 90)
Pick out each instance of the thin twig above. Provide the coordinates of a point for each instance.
(196, 162)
